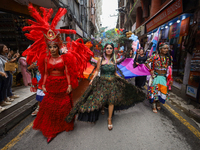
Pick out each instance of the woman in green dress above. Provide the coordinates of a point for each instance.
(108, 89)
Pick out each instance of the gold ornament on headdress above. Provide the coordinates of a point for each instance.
(51, 35)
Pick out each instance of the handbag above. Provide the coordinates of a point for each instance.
(10, 66)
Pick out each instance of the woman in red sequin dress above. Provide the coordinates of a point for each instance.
(59, 73)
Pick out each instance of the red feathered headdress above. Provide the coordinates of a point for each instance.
(42, 32)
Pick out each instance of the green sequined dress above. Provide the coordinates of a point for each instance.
(106, 89)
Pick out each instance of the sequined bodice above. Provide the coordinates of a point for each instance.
(108, 69)
(55, 64)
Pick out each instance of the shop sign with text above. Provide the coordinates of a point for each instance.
(191, 91)
(165, 15)
(140, 30)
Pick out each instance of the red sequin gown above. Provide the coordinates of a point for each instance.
(56, 104)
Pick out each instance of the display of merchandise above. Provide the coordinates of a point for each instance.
(195, 62)
(11, 33)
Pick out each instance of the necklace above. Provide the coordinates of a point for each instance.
(163, 60)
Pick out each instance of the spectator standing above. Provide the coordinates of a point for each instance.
(141, 59)
(2, 76)
(26, 75)
(6, 82)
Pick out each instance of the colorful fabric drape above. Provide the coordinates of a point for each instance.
(88, 70)
(155, 41)
(126, 67)
(129, 72)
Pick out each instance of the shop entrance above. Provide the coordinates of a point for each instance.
(11, 33)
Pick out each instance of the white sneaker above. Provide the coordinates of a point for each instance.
(4, 103)
(1, 109)
(9, 99)
(15, 96)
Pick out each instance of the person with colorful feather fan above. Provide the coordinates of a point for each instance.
(59, 73)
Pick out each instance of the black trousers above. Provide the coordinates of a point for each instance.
(140, 81)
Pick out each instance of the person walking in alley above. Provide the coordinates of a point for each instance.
(158, 91)
(108, 89)
(130, 54)
(26, 75)
(141, 59)
(35, 86)
(59, 73)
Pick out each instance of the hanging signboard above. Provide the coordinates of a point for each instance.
(165, 15)
(140, 30)
(185, 27)
(174, 30)
(133, 27)
(79, 31)
(85, 35)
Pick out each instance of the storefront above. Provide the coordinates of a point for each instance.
(11, 33)
(13, 17)
(175, 29)
(192, 43)
(175, 33)
(169, 22)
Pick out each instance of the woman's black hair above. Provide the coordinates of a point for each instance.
(1, 48)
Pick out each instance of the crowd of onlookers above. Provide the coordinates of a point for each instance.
(8, 57)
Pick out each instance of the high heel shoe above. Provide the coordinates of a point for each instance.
(102, 111)
(110, 126)
(49, 139)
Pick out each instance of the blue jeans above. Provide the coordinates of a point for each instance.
(1, 88)
(7, 91)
